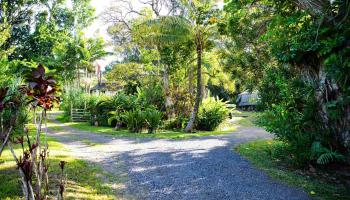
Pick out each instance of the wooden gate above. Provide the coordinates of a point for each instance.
(79, 115)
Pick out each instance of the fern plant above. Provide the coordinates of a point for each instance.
(153, 119)
(135, 120)
(323, 155)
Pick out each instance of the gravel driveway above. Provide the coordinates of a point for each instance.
(200, 168)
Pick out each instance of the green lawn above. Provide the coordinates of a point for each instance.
(161, 134)
(267, 155)
(240, 120)
(84, 180)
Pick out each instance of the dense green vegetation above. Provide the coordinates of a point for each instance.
(271, 157)
(177, 64)
(163, 133)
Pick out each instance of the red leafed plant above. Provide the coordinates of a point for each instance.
(33, 163)
(42, 88)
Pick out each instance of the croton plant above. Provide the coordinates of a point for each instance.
(32, 163)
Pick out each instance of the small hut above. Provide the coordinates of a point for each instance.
(248, 100)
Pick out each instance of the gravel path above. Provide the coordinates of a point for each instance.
(200, 168)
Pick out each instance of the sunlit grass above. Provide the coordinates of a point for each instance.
(267, 155)
(84, 180)
(161, 134)
(239, 120)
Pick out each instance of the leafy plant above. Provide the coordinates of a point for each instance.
(124, 102)
(100, 111)
(33, 163)
(212, 113)
(153, 119)
(42, 88)
(115, 119)
(323, 155)
(135, 120)
(151, 95)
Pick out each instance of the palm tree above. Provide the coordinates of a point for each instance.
(79, 53)
(196, 24)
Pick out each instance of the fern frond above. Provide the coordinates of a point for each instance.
(325, 158)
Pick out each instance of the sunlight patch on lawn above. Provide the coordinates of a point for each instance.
(84, 181)
(161, 134)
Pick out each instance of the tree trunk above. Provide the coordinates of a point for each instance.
(329, 91)
(78, 76)
(194, 113)
(168, 102)
(190, 81)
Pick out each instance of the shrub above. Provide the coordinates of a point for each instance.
(100, 111)
(211, 114)
(153, 119)
(176, 123)
(135, 120)
(291, 114)
(123, 102)
(115, 119)
(151, 95)
(16, 114)
(182, 105)
(284, 122)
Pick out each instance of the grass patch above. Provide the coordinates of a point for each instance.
(240, 119)
(268, 156)
(63, 118)
(161, 134)
(84, 180)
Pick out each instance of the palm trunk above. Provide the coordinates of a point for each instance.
(190, 83)
(329, 91)
(198, 100)
(168, 102)
(78, 78)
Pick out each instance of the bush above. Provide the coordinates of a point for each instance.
(176, 123)
(123, 102)
(153, 119)
(100, 111)
(284, 123)
(323, 155)
(151, 95)
(291, 114)
(116, 119)
(135, 120)
(211, 114)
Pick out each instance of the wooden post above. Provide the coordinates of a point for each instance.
(71, 112)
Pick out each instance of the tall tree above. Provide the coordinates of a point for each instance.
(309, 40)
(196, 24)
(123, 19)
(78, 53)
(202, 17)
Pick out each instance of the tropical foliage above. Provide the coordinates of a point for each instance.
(302, 68)
(212, 113)
(169, 57)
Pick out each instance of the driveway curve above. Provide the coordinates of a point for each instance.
(202, 168)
